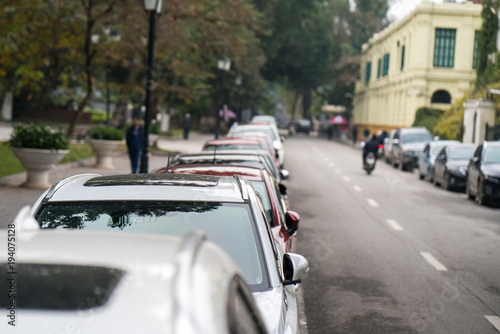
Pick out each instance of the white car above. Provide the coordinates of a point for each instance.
(249, 129)
(226, 209)
(265, 119)
(106, 282)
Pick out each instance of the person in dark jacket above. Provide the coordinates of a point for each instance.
(134, 143)
(187, 125)
(371, 146)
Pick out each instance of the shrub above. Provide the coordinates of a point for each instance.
(37, 136)
(154, 128)
(105, 132)
(427, 117)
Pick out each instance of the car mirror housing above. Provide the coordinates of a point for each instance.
(284, 173)
(292, 220)
(295, 268)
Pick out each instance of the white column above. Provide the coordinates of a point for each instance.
(470, 109)
(485, 115)
(7, 107)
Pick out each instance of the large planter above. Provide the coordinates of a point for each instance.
(38, 163)
(104, 151)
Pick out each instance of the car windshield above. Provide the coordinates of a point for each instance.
(229, 225)
(416, 137)
(461, 153)
(260, 187)
(492, 156)
(245, 130)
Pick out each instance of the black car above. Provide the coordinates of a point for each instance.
(450, 167)
(483, 173)
(303, 125)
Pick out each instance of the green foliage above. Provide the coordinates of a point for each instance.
(154, 128)
(427, 117)
(97, 115)
(37, 136)
(105, 132)
(450, 124)
(486, 45)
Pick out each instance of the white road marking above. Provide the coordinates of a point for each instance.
(332, 164)
(494, 320)
(372, 202)
(395, 225)
(433, 261)
(338, 171)
(357, 188)
(346, 179)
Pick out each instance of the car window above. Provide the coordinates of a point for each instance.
(491, 155)
(415, 137)
(477, 154)
(435, 149)
(229, 225)
(461, 153)
(242, 130)
(260, 187)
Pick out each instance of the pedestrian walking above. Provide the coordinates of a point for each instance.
(187, 125)
(354, 134)
(134, 143)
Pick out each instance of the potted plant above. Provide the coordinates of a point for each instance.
(38, 149)
(104, 141)
(154, 134)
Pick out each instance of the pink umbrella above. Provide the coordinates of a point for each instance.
(338, 120)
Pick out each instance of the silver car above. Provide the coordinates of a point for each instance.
(227, 210)
(106, 282)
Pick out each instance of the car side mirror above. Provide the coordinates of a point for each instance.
(283, 189)
(395, 142)
(295, 268)
(475, 160)
(282, 138)
(292, 220)
(284, 173)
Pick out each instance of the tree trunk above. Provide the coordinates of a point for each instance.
(294, 105)
(306, 102)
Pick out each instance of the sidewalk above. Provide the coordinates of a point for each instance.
(13, 196)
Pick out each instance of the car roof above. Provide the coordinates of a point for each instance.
(441, 142)
(491, 143)
(234, 140)
(415, 129)
(147, 187)
(140, 281)
(248, 173)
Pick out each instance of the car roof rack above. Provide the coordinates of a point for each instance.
(243, 189)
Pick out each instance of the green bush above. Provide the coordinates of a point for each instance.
(97, 115)
(105, 132)
(37, 136)
(427, 117)
(154, 128)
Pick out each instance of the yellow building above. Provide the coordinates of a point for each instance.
(426, 59)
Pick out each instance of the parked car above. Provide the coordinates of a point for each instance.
(239, 143)
(284, 223)
(303, 126)
(265, 119)
(227, 210)
(388, 146)
(407, 144)
(451, 165)
(427, 158)
(126, 283)
(483, 173)
(247, 130)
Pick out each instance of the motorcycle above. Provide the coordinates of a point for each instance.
(369, 164)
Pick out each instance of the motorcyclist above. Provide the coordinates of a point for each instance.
(371, 146)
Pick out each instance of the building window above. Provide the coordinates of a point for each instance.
(474, 56)
(386, 65)
(402, 57)
(378, 68)
(368, 71)
(441, 96)
(444, 48)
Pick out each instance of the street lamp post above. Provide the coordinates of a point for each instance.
(238, 81)
(153, 7)
(223, 65)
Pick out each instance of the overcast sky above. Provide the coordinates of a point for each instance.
(399, 8)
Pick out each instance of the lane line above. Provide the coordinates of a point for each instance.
(338, 171)
(357, 188)
(433, 261)
(494, 320)
(346, 179)
(395, 225)
(372, 203)
(331, 164)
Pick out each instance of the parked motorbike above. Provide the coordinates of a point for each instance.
(369, 165)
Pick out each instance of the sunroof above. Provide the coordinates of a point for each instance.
(153, 179)
(58, 287)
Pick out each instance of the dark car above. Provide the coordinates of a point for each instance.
(407, 145)
(450, 166)
(483, 173)
(303, 125)
(427, 158)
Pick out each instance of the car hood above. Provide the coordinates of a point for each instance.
(457, 163)
(270, 304)
(415, 146)
(493, 170)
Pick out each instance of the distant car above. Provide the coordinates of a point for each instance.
(126, 283)
(247, 130)
(303, 126)
(483, 173)
(239, 143)
(265, 119)
(427, 158)
(450, 166)
(407, 144)
(284, 223)
(228, 210)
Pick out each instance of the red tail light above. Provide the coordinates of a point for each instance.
(380, 146)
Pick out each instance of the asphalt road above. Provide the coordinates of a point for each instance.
(390, 253)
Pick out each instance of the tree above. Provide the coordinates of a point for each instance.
(486, 43)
